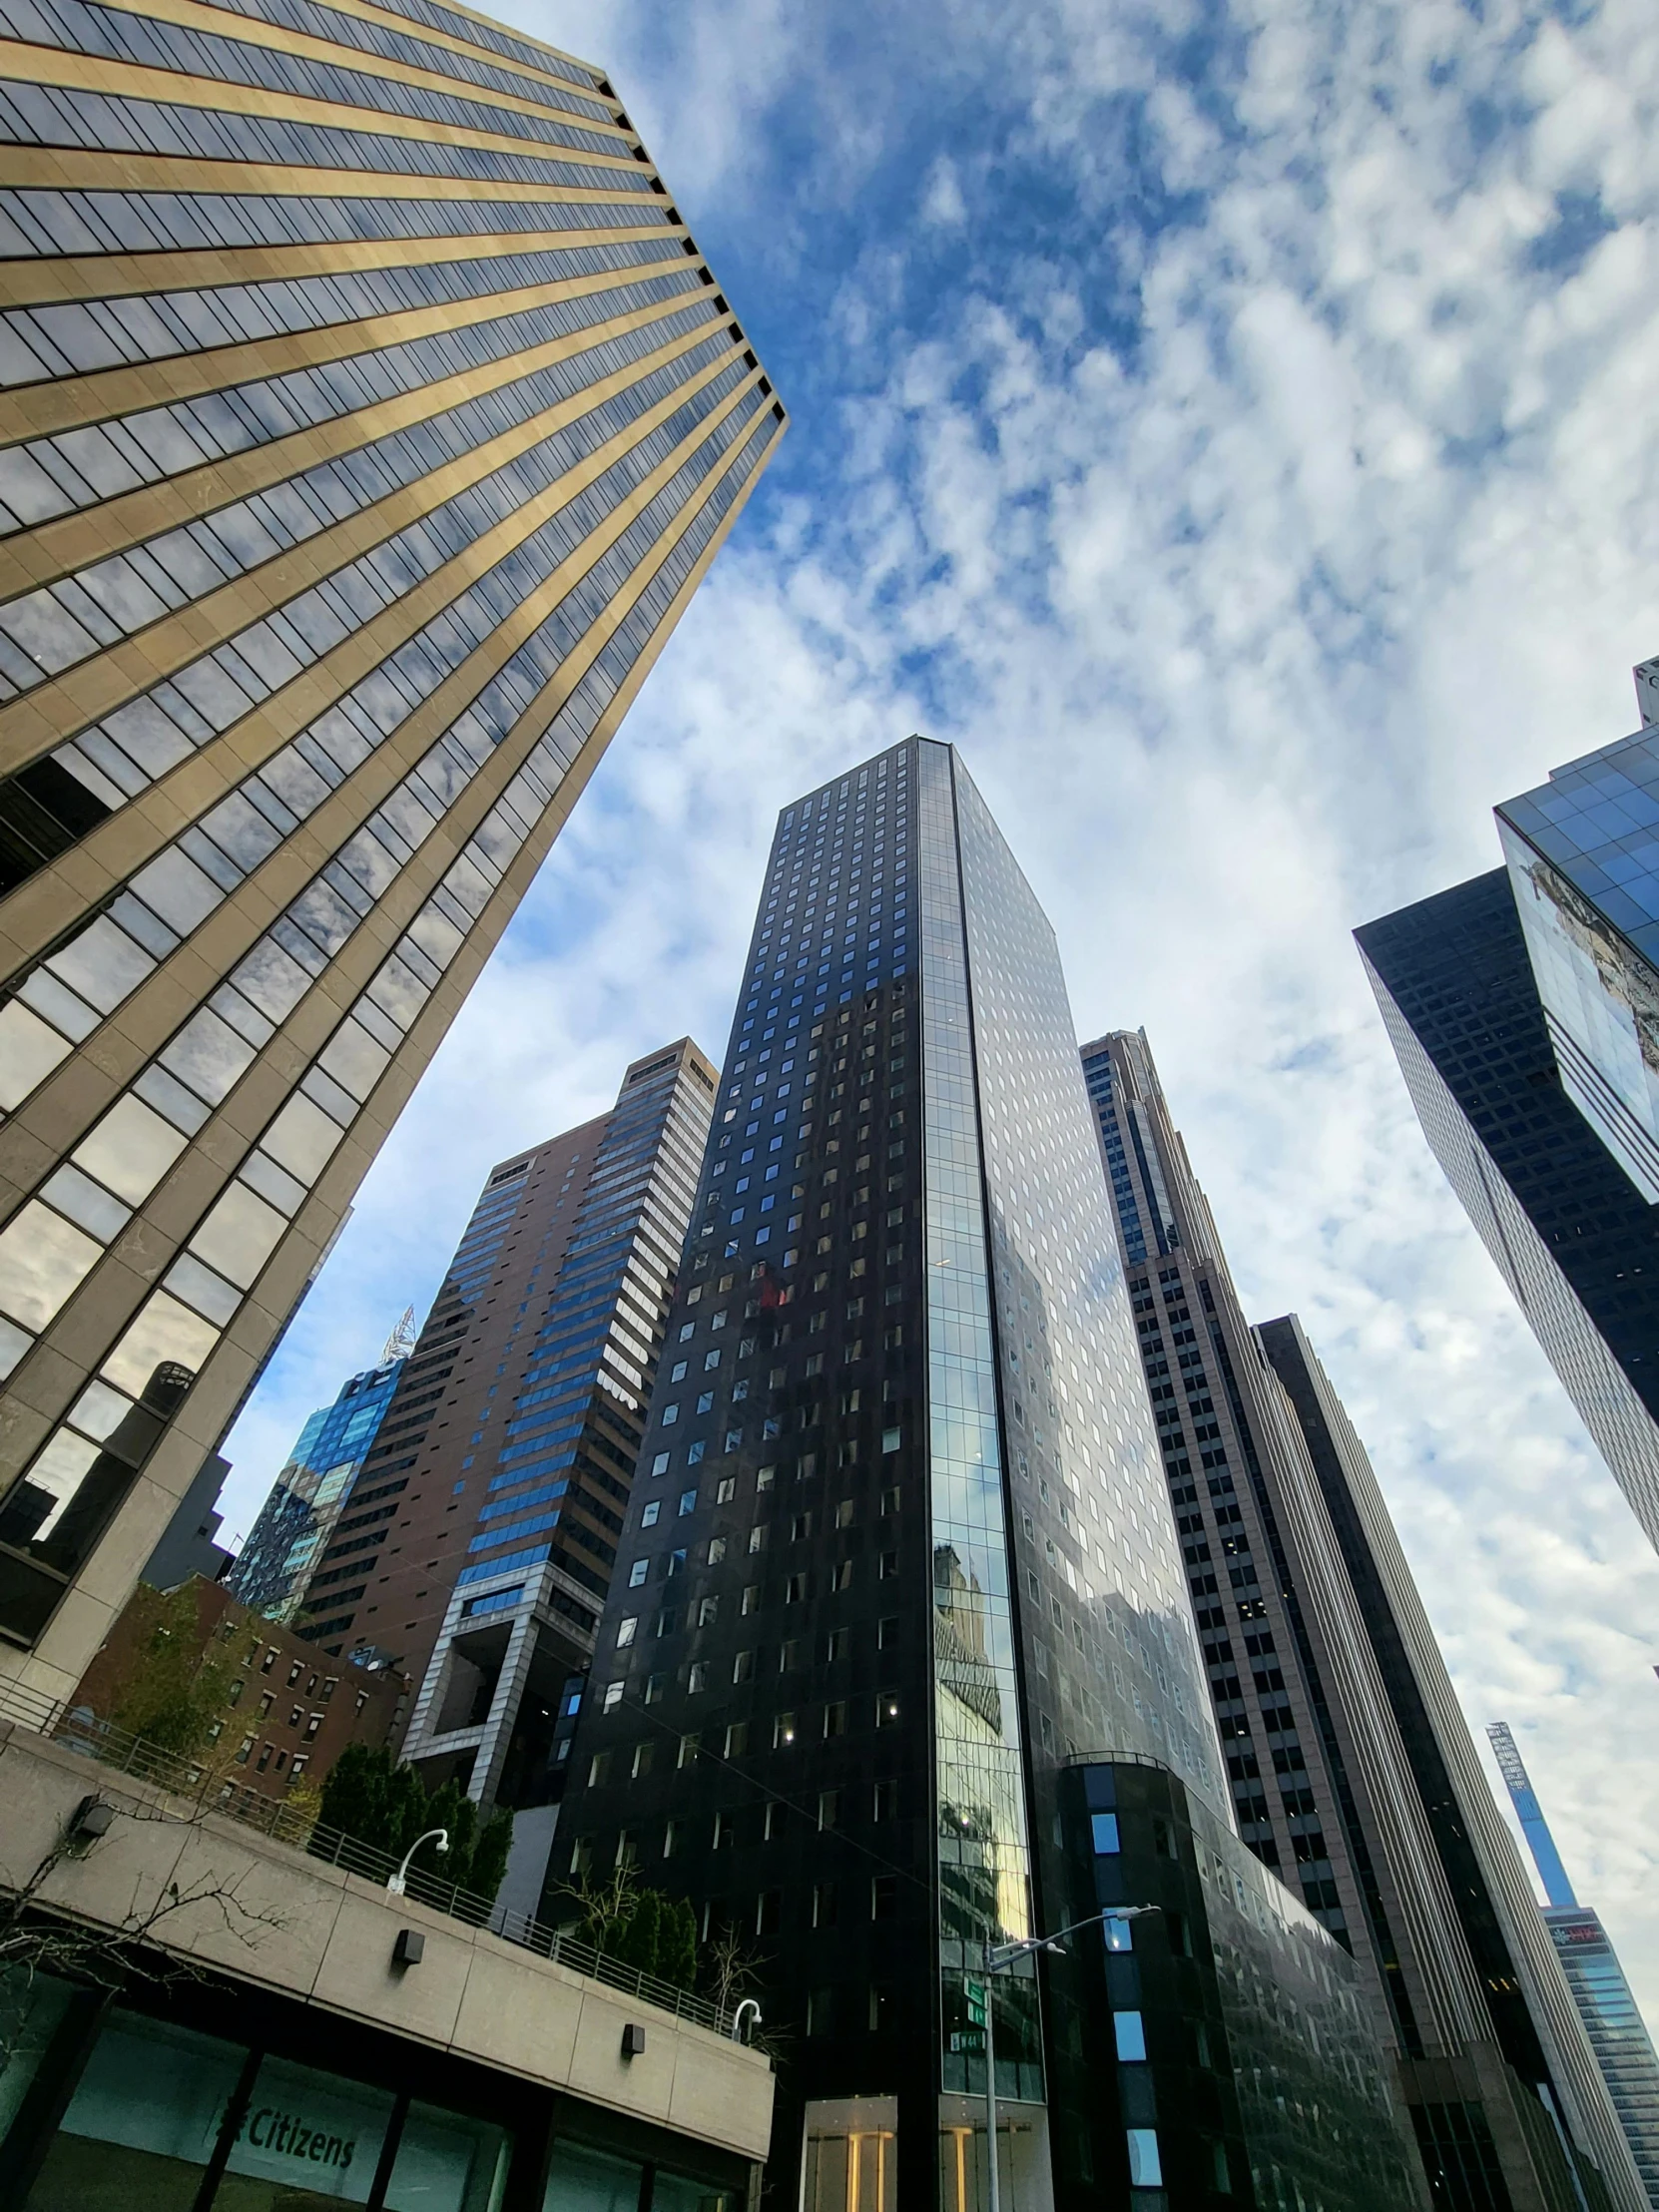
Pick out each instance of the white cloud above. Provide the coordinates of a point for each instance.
(942, 201)
(1250, 552)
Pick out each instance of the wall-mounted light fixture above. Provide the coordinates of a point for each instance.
(91, 1818)
(410, 1949)
(633, 2040)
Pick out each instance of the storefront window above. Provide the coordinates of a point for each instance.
(32, 2008)
(142, 2125)
(155, 2105)
(307, 2139)
(584, 2180)
(446, 2163)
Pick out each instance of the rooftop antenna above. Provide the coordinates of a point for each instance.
(401, 1342)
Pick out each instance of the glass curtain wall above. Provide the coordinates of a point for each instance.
(984, 1860)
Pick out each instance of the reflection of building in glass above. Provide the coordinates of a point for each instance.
(1523, 1008)
(371, 419)
(1352, 1772)
(898, 1551)
(1619, 2034)
(275, 1566)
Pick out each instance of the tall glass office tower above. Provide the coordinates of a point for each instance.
(1523, 1008)
(898, 1659)
(368, 418)
(1619, 2034)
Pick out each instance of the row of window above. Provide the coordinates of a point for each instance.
(40, 114)
(369, 35)
(54, 223)
(143, 42)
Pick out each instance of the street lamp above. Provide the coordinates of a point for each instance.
(398, 1883)
(748, 2006)
(999, 1956)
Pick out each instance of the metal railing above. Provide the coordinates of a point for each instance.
(210, 1784)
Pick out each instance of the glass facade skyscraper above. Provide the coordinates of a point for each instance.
(1619, 2034)
(1570, 1234)
(898, 1571)
(1348, 1759)
(1583, 858)
(368, 418)
(274, 1568)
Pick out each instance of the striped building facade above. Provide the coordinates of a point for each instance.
(368, 417)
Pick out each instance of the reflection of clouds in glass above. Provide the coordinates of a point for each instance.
(43, 1261)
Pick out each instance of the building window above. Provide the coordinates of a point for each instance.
(1145, 2167)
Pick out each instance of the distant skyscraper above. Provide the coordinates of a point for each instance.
(369, 417)
(485, 1576)
(1619, 2034)
(275, 1566)
(898, 1658)
(1347, 1754)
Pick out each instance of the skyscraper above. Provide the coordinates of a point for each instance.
(898, 1658)
(1520, 1009)
(486, 1576)
(274, 1568)
(1619, 2034)
(372, 417)
(1347, 1754)
(1583, 861)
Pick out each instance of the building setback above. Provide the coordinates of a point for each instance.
(1332, 1762)
(274, 1569)
(371, 418)
(1612, 2020)
(898, 1573)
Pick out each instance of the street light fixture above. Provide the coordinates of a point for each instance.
(999, 1956)
(748, 2006)
(398, 1883)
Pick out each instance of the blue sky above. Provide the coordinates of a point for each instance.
(1233, 426)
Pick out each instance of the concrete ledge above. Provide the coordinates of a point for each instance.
(265, 1913)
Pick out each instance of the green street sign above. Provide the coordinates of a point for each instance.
(976, 2003)
(965, 2040)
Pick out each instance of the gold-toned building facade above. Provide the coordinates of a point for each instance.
(368, 417)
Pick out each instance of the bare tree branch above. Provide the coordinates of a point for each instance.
(38, 1938)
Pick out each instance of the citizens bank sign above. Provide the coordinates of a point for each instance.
(269, 2129)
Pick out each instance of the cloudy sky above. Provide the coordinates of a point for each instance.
(1230, 422)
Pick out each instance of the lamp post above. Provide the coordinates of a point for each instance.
(999, 1956)
(749, 2005)
(398, 1883)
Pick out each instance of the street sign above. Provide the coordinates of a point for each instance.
(976, 2003)
(965, 2040)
